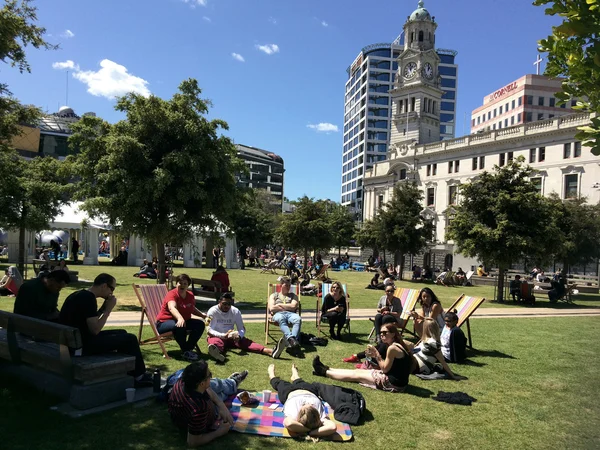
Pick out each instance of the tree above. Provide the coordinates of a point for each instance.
(306, 227)
(370, 235)
(254, 220)
(164, 173)
(579, 231)
(502, 218)
(404, 229)
(574, 52)
(341, 225)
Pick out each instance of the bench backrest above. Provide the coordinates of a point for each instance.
(41, 329)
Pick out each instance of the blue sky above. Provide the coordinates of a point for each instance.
(274, 69)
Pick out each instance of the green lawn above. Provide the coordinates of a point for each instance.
(535, 381)
(250, 287)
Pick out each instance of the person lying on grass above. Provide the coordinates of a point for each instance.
(303, 409)
(394, 368)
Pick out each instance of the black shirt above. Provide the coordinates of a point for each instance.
(78, 307)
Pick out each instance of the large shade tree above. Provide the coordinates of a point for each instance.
(341, 225)
(255, 219)
(163, 173)
(503, 219)
(573, 51)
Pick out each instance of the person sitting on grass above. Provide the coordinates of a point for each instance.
(176, 316)
(454, 342)
(38, 297)
(394, 370)
(11, 282)
(302, 407)
(223, 319)
(196, 403)
(334, 309)
(430, 307)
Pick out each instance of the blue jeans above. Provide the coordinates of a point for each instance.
(287, 318)
(223, 387)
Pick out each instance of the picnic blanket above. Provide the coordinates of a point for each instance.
(262, 420)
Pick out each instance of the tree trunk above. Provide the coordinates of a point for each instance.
(501, 272)
(21, 257)
(160, 255)
(305, 266)
(339, 251)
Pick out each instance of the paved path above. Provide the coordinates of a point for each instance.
(129, 318)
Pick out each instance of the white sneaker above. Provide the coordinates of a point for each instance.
(215, 353)
(279, 348)
(190, 356)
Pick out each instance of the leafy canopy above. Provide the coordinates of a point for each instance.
(307, 227)
(574, 52)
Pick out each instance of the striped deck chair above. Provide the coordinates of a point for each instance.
(408, 298)
(270, 267)
(325, 288)
(151, 297)
(269, 322)
(465, 306)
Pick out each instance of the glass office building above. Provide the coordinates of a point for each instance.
(367, 112)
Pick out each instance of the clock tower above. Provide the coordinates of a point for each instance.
(416, 94)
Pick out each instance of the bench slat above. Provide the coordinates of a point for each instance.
(42, 329)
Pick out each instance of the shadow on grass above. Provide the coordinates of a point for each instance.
(490, 354)
(418, 391)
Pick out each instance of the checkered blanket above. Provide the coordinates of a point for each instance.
(262, 420)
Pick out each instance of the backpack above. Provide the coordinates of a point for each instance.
(163, 395)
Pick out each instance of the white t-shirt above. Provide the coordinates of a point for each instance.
(221, 322)
(295, 402)
(445, 338)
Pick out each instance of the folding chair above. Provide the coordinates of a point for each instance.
(322, 273)
(325, 288)
(151, 297)
(465, 306)
(270, 267)
(269, 322)
(408, 298)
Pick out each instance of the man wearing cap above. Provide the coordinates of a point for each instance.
(284, 309)
(226, 330)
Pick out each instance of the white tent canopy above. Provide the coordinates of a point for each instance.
(72, 216)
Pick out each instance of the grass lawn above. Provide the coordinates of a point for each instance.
(535, 381)
(250, 287)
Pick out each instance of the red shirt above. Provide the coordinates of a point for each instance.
(185, 305)
(195, 412)
(223, 278)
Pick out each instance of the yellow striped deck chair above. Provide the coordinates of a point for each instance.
(464, 307)
(408, 298)
(325, 289)
(269, 322)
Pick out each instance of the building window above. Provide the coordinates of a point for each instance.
(435, 169)
(502, 159)
(474, 167)
(494, 112)
(512, 104)
(529, 99)
(481, 162)
(428, 170)
(450, 166)
(540, 116)
(403, 174)
(552, 102)
(571, 186)
(537, 182)
(567, 150)
(380, 201)
(519, 118)
(512, 120)
(542, 154)
(528, 117)
(532, 155)
(573, 103)
(456, 165)
(510, 156)
(520, 101)
(541, 101)
(430, 196)
(452, 195)
(505, 122)
(577, 149)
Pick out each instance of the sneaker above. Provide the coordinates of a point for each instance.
(319, 368)
(238, 377)
(351, 359)
(190, 356)
(215, 353)
(278, 348)
(292, 342)
(146, 380)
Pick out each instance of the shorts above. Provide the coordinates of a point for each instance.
(382, 382)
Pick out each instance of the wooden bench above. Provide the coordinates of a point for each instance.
(42, 354)
(38, 263)
(204, 288)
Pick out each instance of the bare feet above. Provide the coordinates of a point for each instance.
(295, 375)
(271, 370)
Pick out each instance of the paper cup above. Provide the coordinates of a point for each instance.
(130, 394)
(266, 396)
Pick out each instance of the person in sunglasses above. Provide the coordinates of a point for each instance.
(394, 367)
(226, 330)
(389, 309)
(80, 310)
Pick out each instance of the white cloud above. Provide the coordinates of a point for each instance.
(269, 49)
(325, 24)
(238, 57)
(67, 34)
(68, 64)
(206, 18)
(324, 127)
(194, 3)
(273, 20)
(112, 80)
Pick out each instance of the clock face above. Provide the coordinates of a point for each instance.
(410, 70)
(428, 71)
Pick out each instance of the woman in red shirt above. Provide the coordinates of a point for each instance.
(176, 316)
(222, 277)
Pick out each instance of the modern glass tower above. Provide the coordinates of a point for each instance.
(367, 112)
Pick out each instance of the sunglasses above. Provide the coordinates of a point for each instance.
(383, 332)
(112, 288)
(226, 304)
(389, 292)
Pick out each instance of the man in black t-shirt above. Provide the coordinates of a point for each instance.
(38, 297)
(80, 310)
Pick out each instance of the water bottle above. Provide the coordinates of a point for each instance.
(156, 381)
